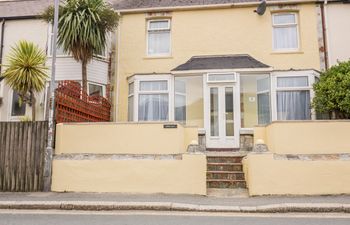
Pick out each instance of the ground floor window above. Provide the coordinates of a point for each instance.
(96, 89)
(149, 98)
(293, 98)
(18, 107)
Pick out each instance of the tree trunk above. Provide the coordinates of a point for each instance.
(84, 75)
(33, 102)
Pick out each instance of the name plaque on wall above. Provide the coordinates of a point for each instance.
(170, 126)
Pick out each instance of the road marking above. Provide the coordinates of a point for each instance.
(174, 213)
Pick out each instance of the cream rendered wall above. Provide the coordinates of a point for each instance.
(184, 176)
(305, 137)
(268, 176)
(338, 23)
(212, 32)
(33, 30)
(119, 138)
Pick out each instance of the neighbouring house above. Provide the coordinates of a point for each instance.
(19, 20)
(217, 65)
(336, 18)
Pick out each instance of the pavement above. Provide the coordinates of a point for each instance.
(164, 202)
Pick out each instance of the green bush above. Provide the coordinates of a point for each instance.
(332, 92)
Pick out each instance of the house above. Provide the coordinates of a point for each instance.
(217, 65)
(336, 16)
(19, 20)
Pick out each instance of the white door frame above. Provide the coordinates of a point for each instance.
(222, 141)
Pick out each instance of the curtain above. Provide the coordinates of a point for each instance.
(153, 107)
(293, 105)
(285, 37)
(158, 42)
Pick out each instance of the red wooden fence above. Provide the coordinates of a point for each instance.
(74, 105)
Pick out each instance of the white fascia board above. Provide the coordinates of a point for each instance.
(268, 69)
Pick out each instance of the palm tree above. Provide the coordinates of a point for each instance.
(25, 72)
(82, 29)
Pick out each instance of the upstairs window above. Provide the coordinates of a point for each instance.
(285, 32)
(158, 35)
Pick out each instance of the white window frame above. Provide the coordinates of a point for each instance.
(101, 85)
(222, 81)
(10, 104)
(131, 94)
(140, 78)
(49, 43)
(288, 74)
(179, 94)
(296, 25)
(163, 29)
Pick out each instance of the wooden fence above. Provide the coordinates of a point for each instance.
(74, 105)
(22, 152)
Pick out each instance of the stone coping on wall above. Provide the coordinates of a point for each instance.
(130, 123)
(308, 157)
(122, 156)
(304, 121)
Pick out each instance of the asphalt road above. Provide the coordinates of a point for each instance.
(165, 218)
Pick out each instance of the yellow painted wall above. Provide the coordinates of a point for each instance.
(127, 138)
(186, 176)
(267, 176)
(306, 137)
(212, 32)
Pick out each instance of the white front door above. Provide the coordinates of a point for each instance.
(222, 115)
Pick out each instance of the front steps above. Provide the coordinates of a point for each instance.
(225, 171)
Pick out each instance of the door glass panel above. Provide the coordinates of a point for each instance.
(229, 121)
(214, 112)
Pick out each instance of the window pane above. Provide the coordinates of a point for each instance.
(180, 108)
(255, 106)
(214, 112)
(59, 50)
(154, 85)
(17, 108)
(156, 25)
(131, 89)
(293, 105)
(153, 107)
(285, 37)
(131, 108)
(180, 86)
(159, 43)
(284, 19)
(229, 112)
(292, 82)
(264, 115)
(221, 77)
(95, 90)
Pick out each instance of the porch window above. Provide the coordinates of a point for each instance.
(189, 104)
(285, 31)
(158, 37)
(96, 89)
(153, 102)
(255, 100)
(293, 98)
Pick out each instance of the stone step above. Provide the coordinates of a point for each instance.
(224, 159)
(226, 175)
(223, 183)
(224, 167)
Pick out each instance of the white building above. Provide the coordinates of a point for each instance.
(19, 21)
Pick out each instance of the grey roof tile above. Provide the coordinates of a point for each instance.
(221, 62)
(23, 8)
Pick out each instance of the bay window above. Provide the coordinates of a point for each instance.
(285, 31)
(158, 37)
(293, 98)
(148, 98)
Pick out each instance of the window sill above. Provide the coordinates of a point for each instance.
(286, 52)
(159, 57)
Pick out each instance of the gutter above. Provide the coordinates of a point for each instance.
(212, 6)
(2, 44)
(324, 16)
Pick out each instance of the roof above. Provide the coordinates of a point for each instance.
(147, 4)
(23, 8)
(221, 62)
